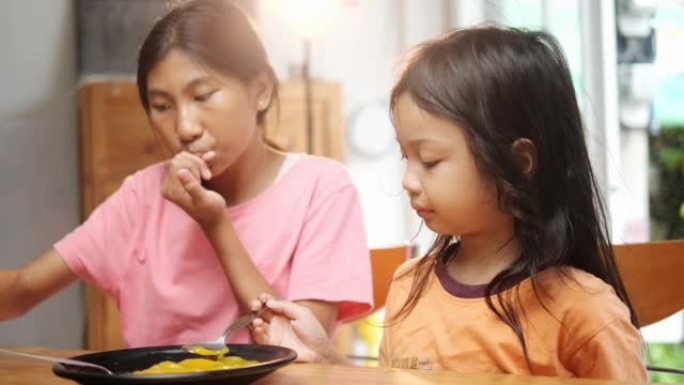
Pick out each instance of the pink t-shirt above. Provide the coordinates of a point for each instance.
(304, 233)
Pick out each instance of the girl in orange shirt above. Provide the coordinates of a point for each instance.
(521, 278)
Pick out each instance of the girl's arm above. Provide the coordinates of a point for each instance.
(612, 353)
(22, 289)
(598, 339)
(246, 280)
(183, 187)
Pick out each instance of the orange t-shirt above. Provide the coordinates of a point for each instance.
(583, 330)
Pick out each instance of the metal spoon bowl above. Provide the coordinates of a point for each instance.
(218, 345)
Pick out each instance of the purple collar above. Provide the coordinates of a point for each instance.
(454, 287)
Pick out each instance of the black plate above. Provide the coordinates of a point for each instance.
(123, 362)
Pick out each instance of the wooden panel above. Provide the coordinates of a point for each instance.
(287, 121)
(116, 140)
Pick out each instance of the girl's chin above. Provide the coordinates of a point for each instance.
(431, 224)
(437, 227)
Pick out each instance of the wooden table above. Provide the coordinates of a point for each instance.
(24, 371)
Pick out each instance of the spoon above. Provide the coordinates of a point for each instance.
(218, 345)
(63, 361)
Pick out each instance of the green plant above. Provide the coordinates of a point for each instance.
(667, 355)
(667, 195)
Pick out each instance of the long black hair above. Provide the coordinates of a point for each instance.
(500, 85)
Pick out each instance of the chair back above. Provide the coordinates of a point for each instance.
(384, 262)
(367, 327)
(653, 274)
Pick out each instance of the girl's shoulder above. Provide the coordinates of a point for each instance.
(320, 165)
(309, 180)
(153, 174)
(587, 312)
(406, 267)
(568, 281)
(317, 171)
(145, 184)
(406, 272)
(575, 296)
(401, 283)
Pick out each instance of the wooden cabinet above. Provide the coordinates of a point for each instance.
(116, 140)
(287, 119)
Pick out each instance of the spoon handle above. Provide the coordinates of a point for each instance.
(65, 361)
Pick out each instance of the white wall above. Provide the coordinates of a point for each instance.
(38, 156)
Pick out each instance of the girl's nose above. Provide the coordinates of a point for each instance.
(410, 182)
(187, 127)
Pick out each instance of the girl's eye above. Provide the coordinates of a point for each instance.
(160, 107)
(205, 96)
(430, 164)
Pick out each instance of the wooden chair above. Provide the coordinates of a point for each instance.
(653, 274)
(384, 262)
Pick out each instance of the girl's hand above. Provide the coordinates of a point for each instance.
(183, 186)
(293, 326)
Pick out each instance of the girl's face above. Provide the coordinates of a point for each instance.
(197, 110)
(441, 178)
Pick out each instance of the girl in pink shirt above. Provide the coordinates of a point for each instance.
(184, 245)
(521, 278)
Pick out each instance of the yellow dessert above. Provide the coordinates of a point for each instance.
(202, 351)
(191, 365)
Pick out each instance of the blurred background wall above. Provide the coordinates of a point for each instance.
(38, 156)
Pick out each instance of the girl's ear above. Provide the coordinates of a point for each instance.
(525, 153)
(263, 91)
